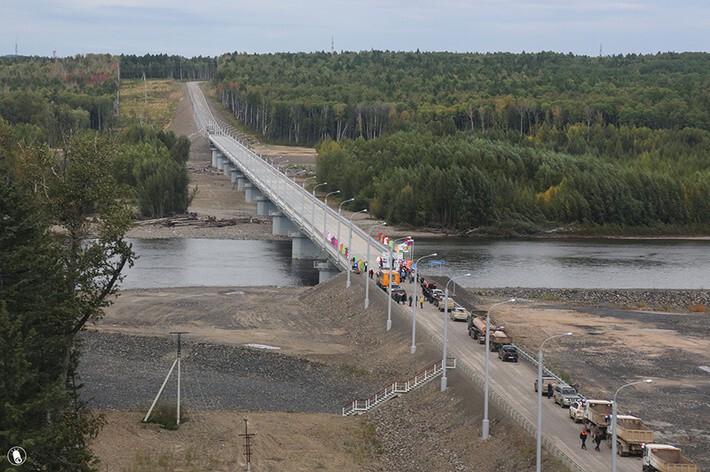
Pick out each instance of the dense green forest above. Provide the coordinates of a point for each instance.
(162, 66)
(464, 141)
(72, 179)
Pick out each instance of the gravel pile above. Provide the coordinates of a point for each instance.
(125, 372)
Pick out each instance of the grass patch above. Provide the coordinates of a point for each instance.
(365, 444)
(165, 415)
(155, 101)
(550, 297)
(188, 461)
(697, 308)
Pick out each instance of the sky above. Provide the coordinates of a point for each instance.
(212, 27)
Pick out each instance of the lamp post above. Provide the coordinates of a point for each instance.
(446, 332)
(539, 401)
(389, 284)
(325, 211)
(369, 238)
(414, 307)
(313, 206)
(485, 428)
(350, 242)
(340, 210)
(613, 421)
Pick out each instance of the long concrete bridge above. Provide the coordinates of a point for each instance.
(313, 227)
(316, 230)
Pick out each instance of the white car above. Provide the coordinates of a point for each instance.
(459, 313)
(576, 411)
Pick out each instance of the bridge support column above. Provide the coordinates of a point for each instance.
(251, 192)
(264, 207)
(302, 247)
(215, 154)
(228, 166)
(241, 182)
(326, 271)
(280, 224)
(234, 175)
(220, 161)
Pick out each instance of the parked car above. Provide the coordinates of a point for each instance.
(564, 395)
(459, 313)
(507, 352)
(576, 411)
(546, 379)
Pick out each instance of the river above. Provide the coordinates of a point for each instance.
(493, 263)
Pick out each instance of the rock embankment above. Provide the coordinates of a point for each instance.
(638, 299)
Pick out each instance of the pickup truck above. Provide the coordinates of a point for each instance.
(546, 379)
(442, 306)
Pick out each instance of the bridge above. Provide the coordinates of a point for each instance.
(318, 233)
(316, 230)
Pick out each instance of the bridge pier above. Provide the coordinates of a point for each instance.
(281, 225)
(220, 161)
(265, 207)
(302, 247)
(234, 175)
(215, 153)
(251, 192)
(241, 182)
(326, 270)
(227, 168)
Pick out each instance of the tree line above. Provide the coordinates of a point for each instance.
(464, 182)
(302, 98)
(163, 66)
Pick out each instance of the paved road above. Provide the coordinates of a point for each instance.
(513, 382)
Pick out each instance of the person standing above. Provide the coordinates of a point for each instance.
(583, 436)
(597, 442)
(421, 302)
(410, 300)
(549, 390)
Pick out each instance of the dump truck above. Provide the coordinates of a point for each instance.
(597, 416)
(631, 435)
(665, 458)
(498, 336)
(442, 305)
(385, 276)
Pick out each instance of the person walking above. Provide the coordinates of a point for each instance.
(583, 436)
(410, 300)
(421, 302)
(597, 442)
(549, 390)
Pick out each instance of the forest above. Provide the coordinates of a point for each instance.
(521, 142)
(73, 177)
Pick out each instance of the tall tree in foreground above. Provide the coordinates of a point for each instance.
(63, 253)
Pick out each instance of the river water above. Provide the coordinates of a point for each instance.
(493, 263)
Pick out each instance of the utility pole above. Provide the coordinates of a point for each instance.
(162, 387)
(247, 443)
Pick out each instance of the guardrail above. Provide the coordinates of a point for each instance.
(396, 388)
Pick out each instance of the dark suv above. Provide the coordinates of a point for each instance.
(508, 353)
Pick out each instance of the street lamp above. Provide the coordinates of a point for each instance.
(389, 284)
(303, 182)
(446, 333)
(340, 210)
(350, 242)
(313, 207)
(539, 401)
(369, 238)
(325, 211)
(414, 309)
(613, 421)
(486, 424)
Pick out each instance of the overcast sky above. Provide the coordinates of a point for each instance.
(212, 27)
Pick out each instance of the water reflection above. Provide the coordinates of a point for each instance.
(166, 263)
(573, 263)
